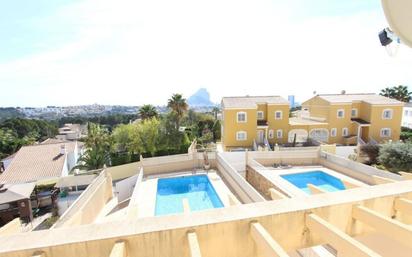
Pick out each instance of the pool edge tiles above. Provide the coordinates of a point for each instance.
(197, 189)
(318, 178)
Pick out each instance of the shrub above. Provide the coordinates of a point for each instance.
(396, 156)
(372, 151)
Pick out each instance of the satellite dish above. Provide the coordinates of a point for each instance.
(398, 14)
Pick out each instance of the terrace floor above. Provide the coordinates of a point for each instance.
(274, 176)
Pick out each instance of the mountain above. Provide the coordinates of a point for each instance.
(200, 99)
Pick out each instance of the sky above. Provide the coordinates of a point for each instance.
(133, 52)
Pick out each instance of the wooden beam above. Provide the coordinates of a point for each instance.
(390, 227)
(193, 244)
(342, 242)
(265, 242)
(276, 195)
(381, 180)
(406, 175)
(233, 200)
(119, 249)
(315, 190)
(403, 205)
(186, 206)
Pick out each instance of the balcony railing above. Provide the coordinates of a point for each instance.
(262, 122)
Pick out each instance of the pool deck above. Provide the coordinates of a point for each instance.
(274, 175)
(146, 199)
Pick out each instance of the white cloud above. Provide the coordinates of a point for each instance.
(135, 52)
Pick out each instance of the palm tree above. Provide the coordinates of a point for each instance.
(179, 106)
(215, 111)
(400, 93)
(147, 111)
(98, 145)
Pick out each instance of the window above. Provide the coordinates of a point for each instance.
(387, 114)
(341, 113)
(241, 117)
(260, 115)
(333, 132)
(354, 112)
(406, 113)
(270, 134)
(241, 135)
(345, 132)
(278, 115)
(385, 132)
(279, 133)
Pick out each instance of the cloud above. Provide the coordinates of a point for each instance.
(135, 52)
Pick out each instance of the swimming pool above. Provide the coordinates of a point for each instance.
(318, 178)
(196, 189)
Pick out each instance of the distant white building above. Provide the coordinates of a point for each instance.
(407, 116)
(72, 132)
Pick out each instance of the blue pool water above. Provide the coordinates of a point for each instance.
(318, 178)
(197, 189)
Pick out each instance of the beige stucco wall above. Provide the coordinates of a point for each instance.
(220, 232)
(88, 206)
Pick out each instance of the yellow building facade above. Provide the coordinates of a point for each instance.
(334, 118)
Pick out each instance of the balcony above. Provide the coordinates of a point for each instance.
(262, 122)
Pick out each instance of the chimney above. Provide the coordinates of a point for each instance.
(63, 149)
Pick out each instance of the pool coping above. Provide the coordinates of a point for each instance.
(150, 185)
(274, 176)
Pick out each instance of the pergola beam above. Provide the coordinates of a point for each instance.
(119, 249)
(381, 180)
(193, 244)
(276, 195)
(265, 242)
(39, 254)
(403, 205)
(390, 227)
(341, 241)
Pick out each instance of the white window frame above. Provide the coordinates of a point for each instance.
(386, 129)
(383, 114)
(343, 113)
(271, 134)
(262, 113)
(356, 112)
(239, 133)
(237, 117)
(345, 132)
(279, 134)
(281, 115)
(333, 132)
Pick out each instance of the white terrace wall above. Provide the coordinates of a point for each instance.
(354, 169)
(236, 182)
(162, 164)
(220, 232)
(87, 207)
(293, 156)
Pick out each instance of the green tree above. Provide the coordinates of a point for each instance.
(400, 93)
(98, 147)
(178, 105)
(146, 136)
(396, 156)
(147, 111)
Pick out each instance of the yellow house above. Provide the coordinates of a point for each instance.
(249, 119)
(334, 118)
(354, 118)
